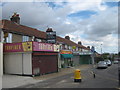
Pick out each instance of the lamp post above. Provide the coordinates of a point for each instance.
(101, 48)
(93, 53)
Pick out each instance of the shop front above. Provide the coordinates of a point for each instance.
(76, 58)
(85, 57)
(66, 59)
(30, 58)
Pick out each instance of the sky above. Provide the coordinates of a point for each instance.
(93, 22)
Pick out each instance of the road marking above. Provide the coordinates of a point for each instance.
(91, 72)
(109, 78)
(105, 77)
(62, 81)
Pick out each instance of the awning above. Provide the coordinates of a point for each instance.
(67, 55)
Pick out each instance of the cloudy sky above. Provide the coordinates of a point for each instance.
(93, 22)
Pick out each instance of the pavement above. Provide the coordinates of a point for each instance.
(12, 81)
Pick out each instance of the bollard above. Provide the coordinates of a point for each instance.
(77, 76)
(94, 75)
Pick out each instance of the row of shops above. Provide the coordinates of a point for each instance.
(36, 58)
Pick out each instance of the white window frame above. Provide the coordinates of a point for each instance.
(25, 38)
(1, 35)
(9, 38)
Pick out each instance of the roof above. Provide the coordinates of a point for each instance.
(69, 42)
(12, 27)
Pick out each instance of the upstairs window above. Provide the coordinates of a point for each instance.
(25, 38)
(8, 37)
(38, 40)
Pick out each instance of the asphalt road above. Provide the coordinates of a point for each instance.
(105, 78)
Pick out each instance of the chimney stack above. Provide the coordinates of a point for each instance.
(88, 47)
(49, 30)
(15, 18)
(67, 37)
(80, 43)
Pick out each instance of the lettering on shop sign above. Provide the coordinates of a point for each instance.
(37, 46)
(45, 46)
(12, 47)
(65, 52)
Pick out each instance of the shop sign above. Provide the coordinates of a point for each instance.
(37, 46)
(30, 46)
(51, 37)
(27, 46)
(18, 47)
(56, 48)
(85, 53)
(65, 52)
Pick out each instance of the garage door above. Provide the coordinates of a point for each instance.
(43, 64)
(13, 63)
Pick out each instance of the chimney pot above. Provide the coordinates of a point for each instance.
(15, 18)
(80, 43)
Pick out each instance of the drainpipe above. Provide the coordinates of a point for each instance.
(1, 57)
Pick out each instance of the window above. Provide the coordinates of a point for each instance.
(1, 35)
(70, 47)
(60, 47)
(9, 38)
(25, 38)
(65, 46)
(38, 40)
(76, 48)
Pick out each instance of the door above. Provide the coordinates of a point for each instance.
(27, 64)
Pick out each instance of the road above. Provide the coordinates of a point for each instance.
(105, 78)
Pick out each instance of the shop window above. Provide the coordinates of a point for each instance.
(25, 38)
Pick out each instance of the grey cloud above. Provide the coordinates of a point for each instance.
(101, 25)
(40, 15)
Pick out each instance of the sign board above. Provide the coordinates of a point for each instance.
(30, 46)
(56, 48)
(37, 46)
(51, 37)
(82, 53)
(65, 52)
(85, 53)
(73, 47)
(18, 47)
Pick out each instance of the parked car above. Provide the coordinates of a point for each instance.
(102, 64)
(115, 61)
(109, 63)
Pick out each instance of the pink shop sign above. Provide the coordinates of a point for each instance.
(37, 46)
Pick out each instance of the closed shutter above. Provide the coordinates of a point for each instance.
(43, 64)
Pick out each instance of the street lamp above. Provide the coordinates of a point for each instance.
(101, 48)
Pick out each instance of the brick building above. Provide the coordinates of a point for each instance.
(15, 33)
